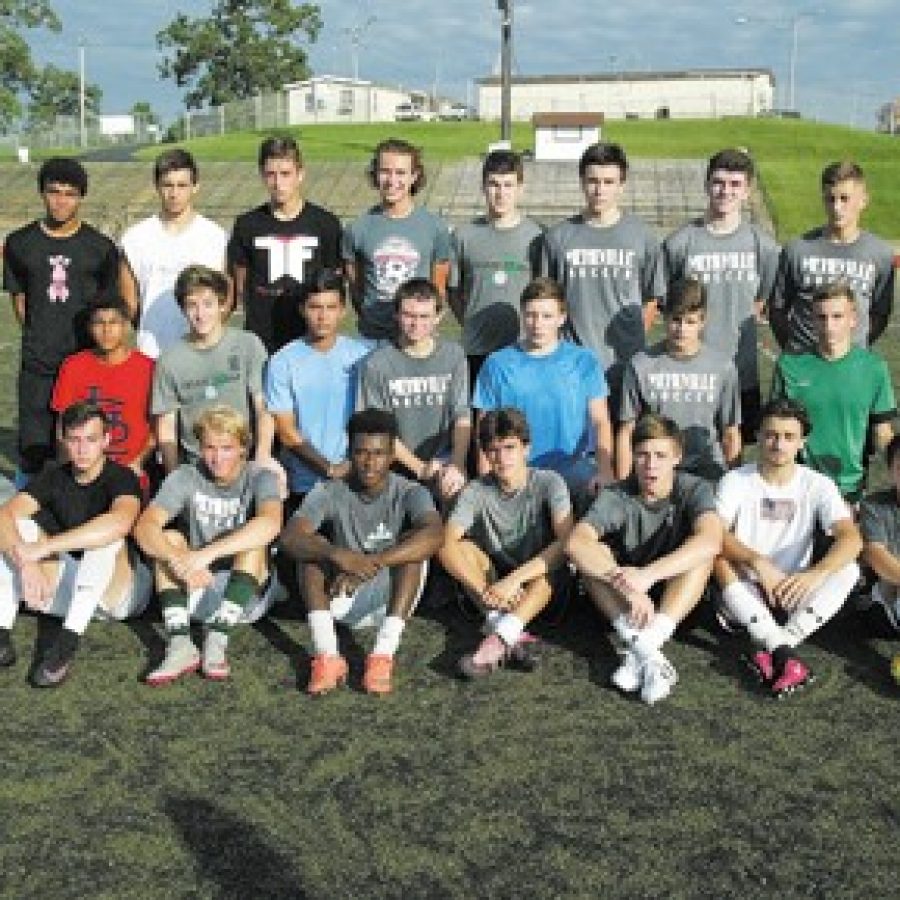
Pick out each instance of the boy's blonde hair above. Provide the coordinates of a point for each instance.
(223, 419)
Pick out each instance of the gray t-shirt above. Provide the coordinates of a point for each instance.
(389, 252)
(491, 268)
(813, 261)
(367, 524)
(188, 380)
(512, 528)
(428, 395)
(607, 273)
(879, 520)
(700, 393)
(737, 269)
(212, 510)
(639, 531)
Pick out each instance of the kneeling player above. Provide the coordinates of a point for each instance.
(63, 541)
(382, 529)
(645, 549)
(770, 509)
(504, 541)
(219, 573)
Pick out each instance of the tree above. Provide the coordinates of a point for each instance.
(56, 92)
(242, 48)
(17, 70)
(143, 112)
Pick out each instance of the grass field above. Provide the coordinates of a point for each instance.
(521, 786)
(790, 154)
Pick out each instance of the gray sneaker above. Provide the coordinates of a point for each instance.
(627, 677)
(182, 657)
(215, 662)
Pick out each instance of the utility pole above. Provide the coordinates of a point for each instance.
(81, 130)
(505, 7)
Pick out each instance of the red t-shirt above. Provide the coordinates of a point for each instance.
(123, 392)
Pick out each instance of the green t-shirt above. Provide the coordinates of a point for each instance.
(843, 397)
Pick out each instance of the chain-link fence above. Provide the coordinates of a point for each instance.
(256, 113)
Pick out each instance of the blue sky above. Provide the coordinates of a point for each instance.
(847, 65)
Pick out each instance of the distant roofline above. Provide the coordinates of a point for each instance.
(630, 76)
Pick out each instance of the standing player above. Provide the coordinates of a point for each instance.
(212, 364)
(691, 383)
(311, 387)
(839, 250)
(610, 265)
(645, 550)
(116, 377)
(736, 261)
(504, 542)
(494, 259)
(157, 249)
(53, 269)
(381, 531)
(424, 382)
(219, 571)
(771, 510)
(394, 241)
(845, 389)
(277, 249)
(560, 388)
(64, 548)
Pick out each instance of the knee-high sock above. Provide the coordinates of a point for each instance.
(821, 605)
(174, 603)
(95, 571)
(9, 600)
(324, 637)
(746, 606)
(239, 593)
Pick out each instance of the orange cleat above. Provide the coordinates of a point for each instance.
(377, 677)
(328, 672)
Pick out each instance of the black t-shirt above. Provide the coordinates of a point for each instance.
(66, 504)
(282, 257)
(59, 277)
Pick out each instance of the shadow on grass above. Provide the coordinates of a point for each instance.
(280, 641)
(232, 852)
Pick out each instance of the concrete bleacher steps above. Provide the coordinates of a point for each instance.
(665, 193)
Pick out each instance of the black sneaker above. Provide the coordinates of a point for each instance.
(527, 652)
(7, 651)
(55, 666)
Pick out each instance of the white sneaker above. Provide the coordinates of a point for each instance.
(659, 679)
(628, 676)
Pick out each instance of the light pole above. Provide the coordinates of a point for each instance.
(505, 7)
(82, 134)
(355, 33)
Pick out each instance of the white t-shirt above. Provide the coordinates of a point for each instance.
(779, 520)
(156, 257)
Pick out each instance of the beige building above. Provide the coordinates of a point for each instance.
(329, 98)
(691, 94)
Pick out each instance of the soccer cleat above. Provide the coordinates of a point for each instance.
(182, 658)
(763, 665)
(491, 654)
(329, 670)
(527, 652)
(7, 651)
(659, 677)
(214, 664)
(794, 676)
(628, 676)
(51, 673)
(377, 677)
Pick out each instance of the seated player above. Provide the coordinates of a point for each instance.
(381, 531)
(218, 572)
(766, 570)
(504, 542)
(424, 382)
(561, 389)
(693, 384)
(845, 389)
(645, 550)
(879, 522)
(117, 377)
(64, 547)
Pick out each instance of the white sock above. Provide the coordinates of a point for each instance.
(324, 637)
(651, 638)
(95, 571)
(747, 608)
(629, 635)
(509, 629)
(9, 601)
(388, 639)
(821, 605)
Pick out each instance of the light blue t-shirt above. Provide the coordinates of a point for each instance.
(553, 391)
(319, 388)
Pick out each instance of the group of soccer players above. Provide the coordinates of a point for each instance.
(223, 467)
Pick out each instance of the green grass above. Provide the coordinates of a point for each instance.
(790, 154)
